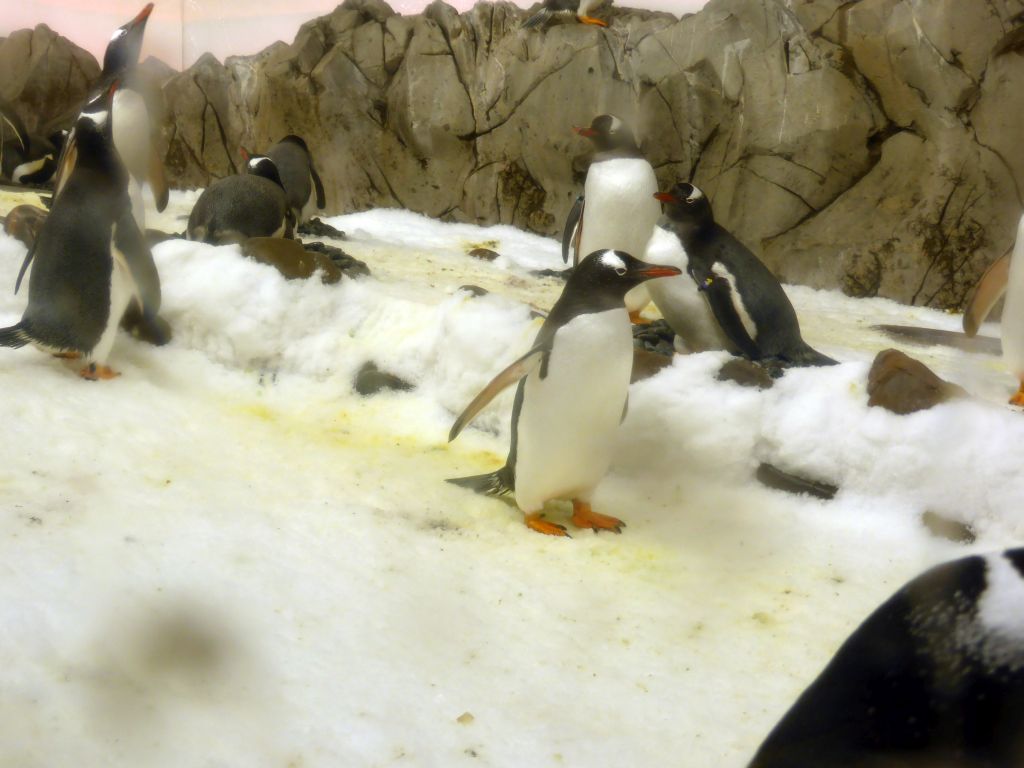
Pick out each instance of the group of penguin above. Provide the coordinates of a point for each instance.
(935, 677)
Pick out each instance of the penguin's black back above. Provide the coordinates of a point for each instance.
(910, 689)
(293, 165)
(69, 287)
(238, 207)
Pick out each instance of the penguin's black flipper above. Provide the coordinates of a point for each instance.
(718, 293)
(540, 18)
(986, 293)
(520, 368)
(24, 268)
(14, 337)
(492, 484)
(806, 355)
(573, 231)
(158, 180)
(318, 187)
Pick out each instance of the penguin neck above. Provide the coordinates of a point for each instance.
(581, 299)
(688, 232)
(619, 153)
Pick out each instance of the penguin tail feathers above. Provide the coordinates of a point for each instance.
(806, 355)
(492, 484)
(14, 337)
(538, 19)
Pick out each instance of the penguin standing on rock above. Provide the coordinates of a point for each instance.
(295, 167)
(250, 204)
(934, 678)
(1004, 276)
(565, 9)
(572, 392)
(86, 257)
(618, 210)
(747, 300)
(131, 128)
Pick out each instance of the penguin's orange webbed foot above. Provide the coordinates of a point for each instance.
(584, 517)
(1018, 396)
(637, 319)
(592, 20)
(535, 523)
(95, 372)
(69, 355)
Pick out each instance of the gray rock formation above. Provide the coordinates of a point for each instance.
(868, 145)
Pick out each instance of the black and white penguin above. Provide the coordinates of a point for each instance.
(132, 129)
(552, 10)
(618, 210)
(89, 257)
(250, 204)
(747, 300)
(572, 394)
(295, 166)
(933, 678)
(1004, 276)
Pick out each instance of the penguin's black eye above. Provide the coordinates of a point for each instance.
(620, 271)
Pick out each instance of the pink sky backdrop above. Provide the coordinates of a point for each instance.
(180, 31)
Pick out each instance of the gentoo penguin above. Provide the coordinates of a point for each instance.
(86, 256)
(23, 222)
(1004, 276)
(618, 210)
(934, 678)
(565, 9)
(295, 166)
(746, 298)
(250, 204)
(572, 393)
(132, 130)
(680, 302)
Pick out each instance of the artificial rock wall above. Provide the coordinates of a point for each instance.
(869, 145)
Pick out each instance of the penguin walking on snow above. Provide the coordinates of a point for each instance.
(295, 166)
(934, 678)
(747, 300)
(618, 210)
(1004, 276)
(571, 395)
(131, 126)
(551, 10)
(87, 256)
(250, 204)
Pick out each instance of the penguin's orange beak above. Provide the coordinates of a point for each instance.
(657, 270)
(143, 15)
(665, 197)
(587, 132)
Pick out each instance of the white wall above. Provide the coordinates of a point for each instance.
(181, 30)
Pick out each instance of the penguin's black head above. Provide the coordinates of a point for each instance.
(93, 144)
(125, 45)
(608, 275)
(608, 132)
(296, 140)
(261, 165)
(685, 204)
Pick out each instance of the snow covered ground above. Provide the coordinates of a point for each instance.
(225, 557)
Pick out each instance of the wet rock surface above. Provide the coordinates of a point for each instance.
(745, 373)
(347, 264)
(773, 477)
(901, 384)
(655, 337)
(317, 228)
(647, 364)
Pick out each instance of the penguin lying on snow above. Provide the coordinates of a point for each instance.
(130, 121)
(572, 394)
(934, 678)
(25, 158)
(565, 9)
(747, 300)
(89, 255)
(298, 176)
(617, 210)
(250, 204)
(1004, 276)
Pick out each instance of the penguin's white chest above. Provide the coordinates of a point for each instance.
(620, 207)
(130, 129)
(678, 299)
(1012, 324)
(568, 419)
(122, 290)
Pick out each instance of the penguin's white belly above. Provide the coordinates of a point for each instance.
(130, 127)
(620, 213)
(568, 420)
(1012, 324)
(122, 289)
(677, 298)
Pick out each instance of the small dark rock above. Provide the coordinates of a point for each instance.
(901, 384)
(476, 290)
(560, 273)
(646, 364)
(773, 477)
(370, 380)
(745, 373)
(316, 228)
(486, 254)
(350, 266)
(291, 259)
(155, 236)
(655, 337)
(947, 528)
